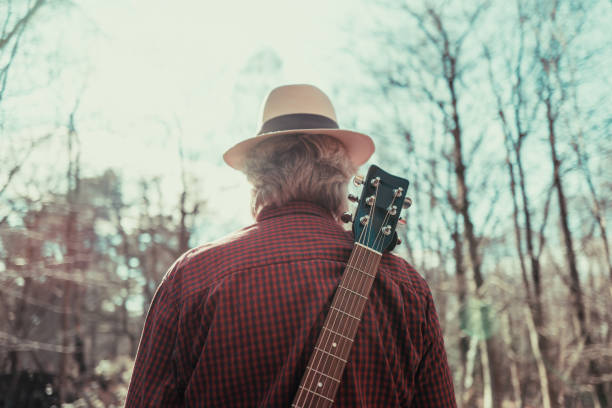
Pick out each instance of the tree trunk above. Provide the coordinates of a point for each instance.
(72, 194)
(598, 213)
(574, 286)
(464, 341)
(515, 376)
(539, 344)
(492, 387)
(534, 341)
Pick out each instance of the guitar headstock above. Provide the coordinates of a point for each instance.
(378, 212)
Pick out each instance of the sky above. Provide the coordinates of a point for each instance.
(145, 72)
(179, 62)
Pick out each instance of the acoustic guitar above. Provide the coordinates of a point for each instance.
(377, 215)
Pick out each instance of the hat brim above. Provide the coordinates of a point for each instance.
(359, 146)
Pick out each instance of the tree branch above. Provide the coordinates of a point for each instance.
(21, 24)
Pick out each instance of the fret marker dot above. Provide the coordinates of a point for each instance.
(334, 344)
(319, 384)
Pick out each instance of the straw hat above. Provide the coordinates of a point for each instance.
(303, 109)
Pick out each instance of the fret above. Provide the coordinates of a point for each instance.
(323, 374)
(352, 291)
(336, 345)
(355, 286)
(343, 325)
(361, 270)
(360, 261)
(338, 334)
(331, 354)
(333, 367)
(368, 249)
(316, 393)
(346, 313)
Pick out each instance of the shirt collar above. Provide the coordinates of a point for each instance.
(292, 208)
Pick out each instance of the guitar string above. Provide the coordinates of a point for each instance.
(387, 216)
(341, 299)
(322, 361)
(352, 306)
(316, 363)
(331, 365)
(365, 283)
(371, 214)
(335, 364)
(385, 220)
(377, 238)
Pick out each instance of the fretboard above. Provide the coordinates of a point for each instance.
(326, 365)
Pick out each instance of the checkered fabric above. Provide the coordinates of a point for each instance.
(233, 323)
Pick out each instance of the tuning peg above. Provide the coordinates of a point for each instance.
(364, 220)
(353, 198)
(358, 180)
(398, 242)
(346, 217)
(386, 230)
(407, 202)
(401, 222)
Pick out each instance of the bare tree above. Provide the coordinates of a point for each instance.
(17, 19)
(429, 58)
(73, 180)
(552, 51)
(583, 159)
(434, 67)
(517, 125)
(13, 29)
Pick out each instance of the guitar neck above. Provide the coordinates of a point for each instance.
(326, 365)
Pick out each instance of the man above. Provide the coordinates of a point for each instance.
(234, 322)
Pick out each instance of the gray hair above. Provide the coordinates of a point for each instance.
(286, 168)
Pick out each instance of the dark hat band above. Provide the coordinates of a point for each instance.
(297, 121)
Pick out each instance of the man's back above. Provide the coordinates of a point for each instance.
(234, 322)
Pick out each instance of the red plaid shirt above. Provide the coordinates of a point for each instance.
(234, 322)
